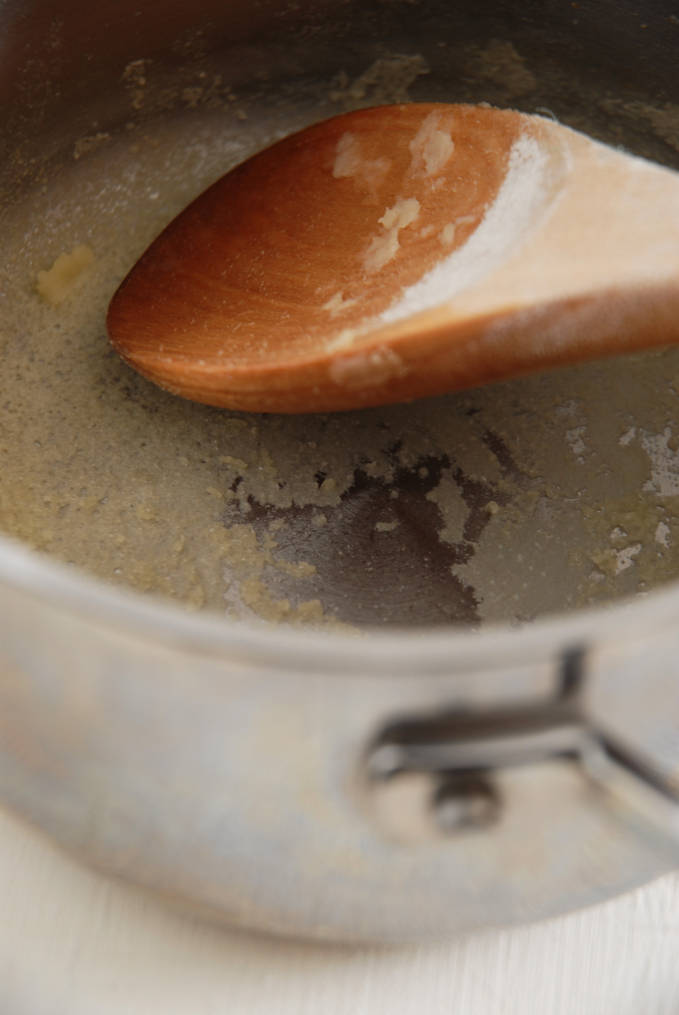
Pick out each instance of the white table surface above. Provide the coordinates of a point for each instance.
(75, 943)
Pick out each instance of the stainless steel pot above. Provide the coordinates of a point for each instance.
(476, 733)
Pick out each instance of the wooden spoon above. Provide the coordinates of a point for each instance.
(404, 251)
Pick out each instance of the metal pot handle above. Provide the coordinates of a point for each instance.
(609, 716)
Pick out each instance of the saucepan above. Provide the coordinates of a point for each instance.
(374, 675)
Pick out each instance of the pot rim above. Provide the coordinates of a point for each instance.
(398, 651)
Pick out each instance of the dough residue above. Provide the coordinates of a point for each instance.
(57, 284)
(503, 225)
(350, 163)
(432, 147)
(384, 247)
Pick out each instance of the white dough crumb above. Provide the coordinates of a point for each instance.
(662, 534)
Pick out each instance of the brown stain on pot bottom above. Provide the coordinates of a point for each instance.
(379, 556)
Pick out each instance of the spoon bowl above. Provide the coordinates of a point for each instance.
(399, 252)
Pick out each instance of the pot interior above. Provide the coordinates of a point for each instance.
(545, 494)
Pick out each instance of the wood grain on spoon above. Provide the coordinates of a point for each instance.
(404, 251)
